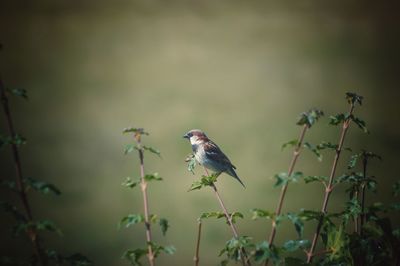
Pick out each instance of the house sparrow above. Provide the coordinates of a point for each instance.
(208, 154)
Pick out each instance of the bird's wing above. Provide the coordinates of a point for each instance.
(214, 153)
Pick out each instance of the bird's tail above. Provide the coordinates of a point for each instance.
(232, 172)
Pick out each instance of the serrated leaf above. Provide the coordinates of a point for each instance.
(297, 222)
(164, 225)
(152, 150)
(315, 178)
(308, 215)
(337, 119)
(42, 225)
(360, 123)
(157, 249)
(196, 185)
(310, 118)
(133, 256)
(130, 148)
(191, 160)
(259, 213)
(131, 219)
(327, 145)
(234, 246)
(353, 98)
(313, 149)
(41, 186)
(290, 143)
(135, 130)
(293, 245)
(263, 251)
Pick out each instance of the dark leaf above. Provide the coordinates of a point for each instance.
(43, 225)
(353, 98)
(42, 186)
(396, 188)
(19, 92)
(360, 123)
(152, 177)
(293, 245)
(130, 183)
(313, 149)
(7, 207)
(309, 179)
(309, 118)
(135, 131)
(297, 222)
(265, 252)
(234, 246)
(290, 143)
(164, 225)
(133, 256)
(337, 119)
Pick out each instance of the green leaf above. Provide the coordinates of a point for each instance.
(42, 186)
(131, 219)
(157, 249)
(219, 215)
(265, 252)
(297, 222)
(353, 210)
(395, 206)
(130, 148)
(353, 98)
(151, 177)
(308, 215)
(327, 145)
(259, 213)
(234, 246)
(396, 233)
(42, 225)
(313, 149)
(293, 245)
(19, 92)
(135, 131)
(7, 207)
(353, 161)
(10, 184)
(315, 178)
(309, 118)
(76, 259)
(133, 256)
(164, 225)
(191, 160)
(152, 150)
(130, 183)
(290, 143)
(360, 123)
(204, 181)
(282, 178)
(337, 119)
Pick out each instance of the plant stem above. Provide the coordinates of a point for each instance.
(292, 164)
(365, 161)
(329, 187)
(143, 185)
(19, 178)
(245, 259)
(196, 256)
(357, 218)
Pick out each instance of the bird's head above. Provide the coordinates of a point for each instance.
(195, 136)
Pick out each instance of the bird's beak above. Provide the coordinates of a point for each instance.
(186, 136)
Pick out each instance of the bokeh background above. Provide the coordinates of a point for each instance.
(240, 70)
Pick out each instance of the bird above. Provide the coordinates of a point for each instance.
(208, 154)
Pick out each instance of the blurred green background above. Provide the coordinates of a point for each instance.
(240, 70)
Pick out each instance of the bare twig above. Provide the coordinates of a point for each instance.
(19, 178)
(196, 256)
(143, 185)
(278, 210)
(329, 188)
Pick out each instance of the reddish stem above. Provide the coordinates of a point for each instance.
(329, 188)
(196, 256)
(19, 178)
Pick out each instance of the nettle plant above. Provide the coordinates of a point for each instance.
(152, 250)
(357, 235)
(25, 223)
